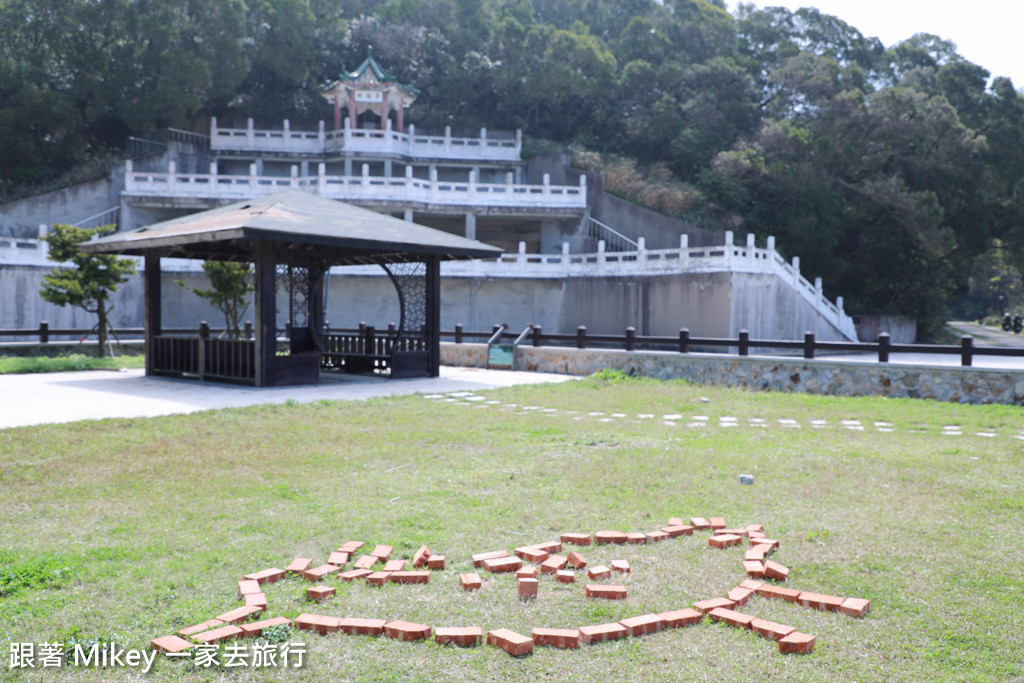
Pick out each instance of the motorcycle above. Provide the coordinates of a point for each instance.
(1007, 324)
(1018, 325)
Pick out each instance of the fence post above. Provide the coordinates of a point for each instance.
(248, 329)
(630, 338)
(204, 336)
(808, 344)
(369, 340)
(458, 333)
(684, 340)
(537, 332)
(883, 347)
(966, 350)
(581, 337)
(44, 332)
(744, 343)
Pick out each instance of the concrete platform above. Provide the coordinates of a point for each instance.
(71, 396)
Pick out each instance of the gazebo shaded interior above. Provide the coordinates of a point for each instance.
(292, 239)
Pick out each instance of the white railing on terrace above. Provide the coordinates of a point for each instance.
(364, 187)
(385, 142)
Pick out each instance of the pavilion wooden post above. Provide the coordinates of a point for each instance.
(433, 331)
(266, 313)
(153, 314)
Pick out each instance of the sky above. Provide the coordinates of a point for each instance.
(986, 32)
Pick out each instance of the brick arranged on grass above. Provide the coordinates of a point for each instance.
(599, 572)
(526, 573)
(338, 558)
(317, 623)
(819, 601)
(170, 644)
(767, 590)
(256, 600)
(717, 523)
(754, 568)
(511, 642)
(751, 584)
(855, 607)
(576, 561)
(321, 572)
(740, 595)
(599, 633)
(565, 638)
(436, 562)
(531, 553)
(770, 542)
(350, 547)
(657, 536)
(764, 549)
(770, 629)
(320, 593)
(528, 589)
(246, 586)
(549, 546)
(299, 565)
(199, 628)
(463, 636)
(636, 538)
(414, 576)
(755, 554)
(470, 582)
(271, 575)
(576, 539)
(378, 579)
(776, 571)
(742, 533)
(218, 635)
(239, 614)
(480, 558)
(754, 535)
(358, 626)
(643, 624)
(353, 574)
(755, 527)
(605, 537)
(565, 576)
(394, 566)
(731, 617)
(382, 551)
(366, 561)
(705, 606)
(255, 628)
(406, 630)
(621, 566)
(420, 557)
(724, 540)
(501, 565)
(675, 521)
(677, 530)
(554, 563)
(609, 592)
(796, 643)
(681, 617)
(700, 523)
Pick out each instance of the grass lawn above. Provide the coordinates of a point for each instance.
(132, 529)
(12, 365)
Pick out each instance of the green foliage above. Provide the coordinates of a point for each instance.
(71, 363)
(230, 285)
(276, 634)
(49, 571)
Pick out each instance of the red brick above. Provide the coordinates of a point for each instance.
(565, 638)
(382, 551)
(356, 626)
(740, 595)
(656, 536)
(700, 523)
(500, 565)
(317, 622)
(554, 563)
(762, 548)
(531, 553)
(421, 576)
(724, 540)
(394, 566)
(406, 630)
(318, 573)
(621, 566)
(644, 624)
(526, 573)
(338, 558)
(256, 600)
(436, 562)
(774, 570)
(819, 601)
(598, 633)
(636, 538)
(768, 590)
(511, 642)
(420, 557)
(218, 635)
(576, 539)
(855, 607)
(675, 521)
(755, 527)
(551, 547)
(796, 643)
(239, 614)
(755, 554)
(255, 629)
(610, 537)
(246, 586)
(465, 636)
(599, 572)
(350, 547)
(754, 568)
(770, 542)
(705, 606)
(199, 628)
(681, 617)
(480, 558)
(676, 531)
(170, 644)
(566, 576)
(528, 589)
(609, 592)
(299, 565)
(770, 630)
(353, 574)
(320, 593)
(717, 523)
(742, 533)
(366, 562)
(470, 582)
(751, 584)
(754, 536)
(378, 578)
(576, 560)
(731, 617)
(271, 575)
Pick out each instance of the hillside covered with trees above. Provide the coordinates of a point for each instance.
(896, 173)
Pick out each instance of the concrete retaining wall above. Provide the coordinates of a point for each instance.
(825, 377)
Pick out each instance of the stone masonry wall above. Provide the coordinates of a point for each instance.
(827, 377)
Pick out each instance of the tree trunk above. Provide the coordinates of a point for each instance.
(101, 313)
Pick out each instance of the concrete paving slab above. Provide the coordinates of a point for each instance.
(92, 395)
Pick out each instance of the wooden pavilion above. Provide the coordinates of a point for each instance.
(292, 239)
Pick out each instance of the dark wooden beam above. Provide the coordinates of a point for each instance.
(433, 284)
(266, 312)
(153, 313)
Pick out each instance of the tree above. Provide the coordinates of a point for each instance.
(91, 281)
(229, 287)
